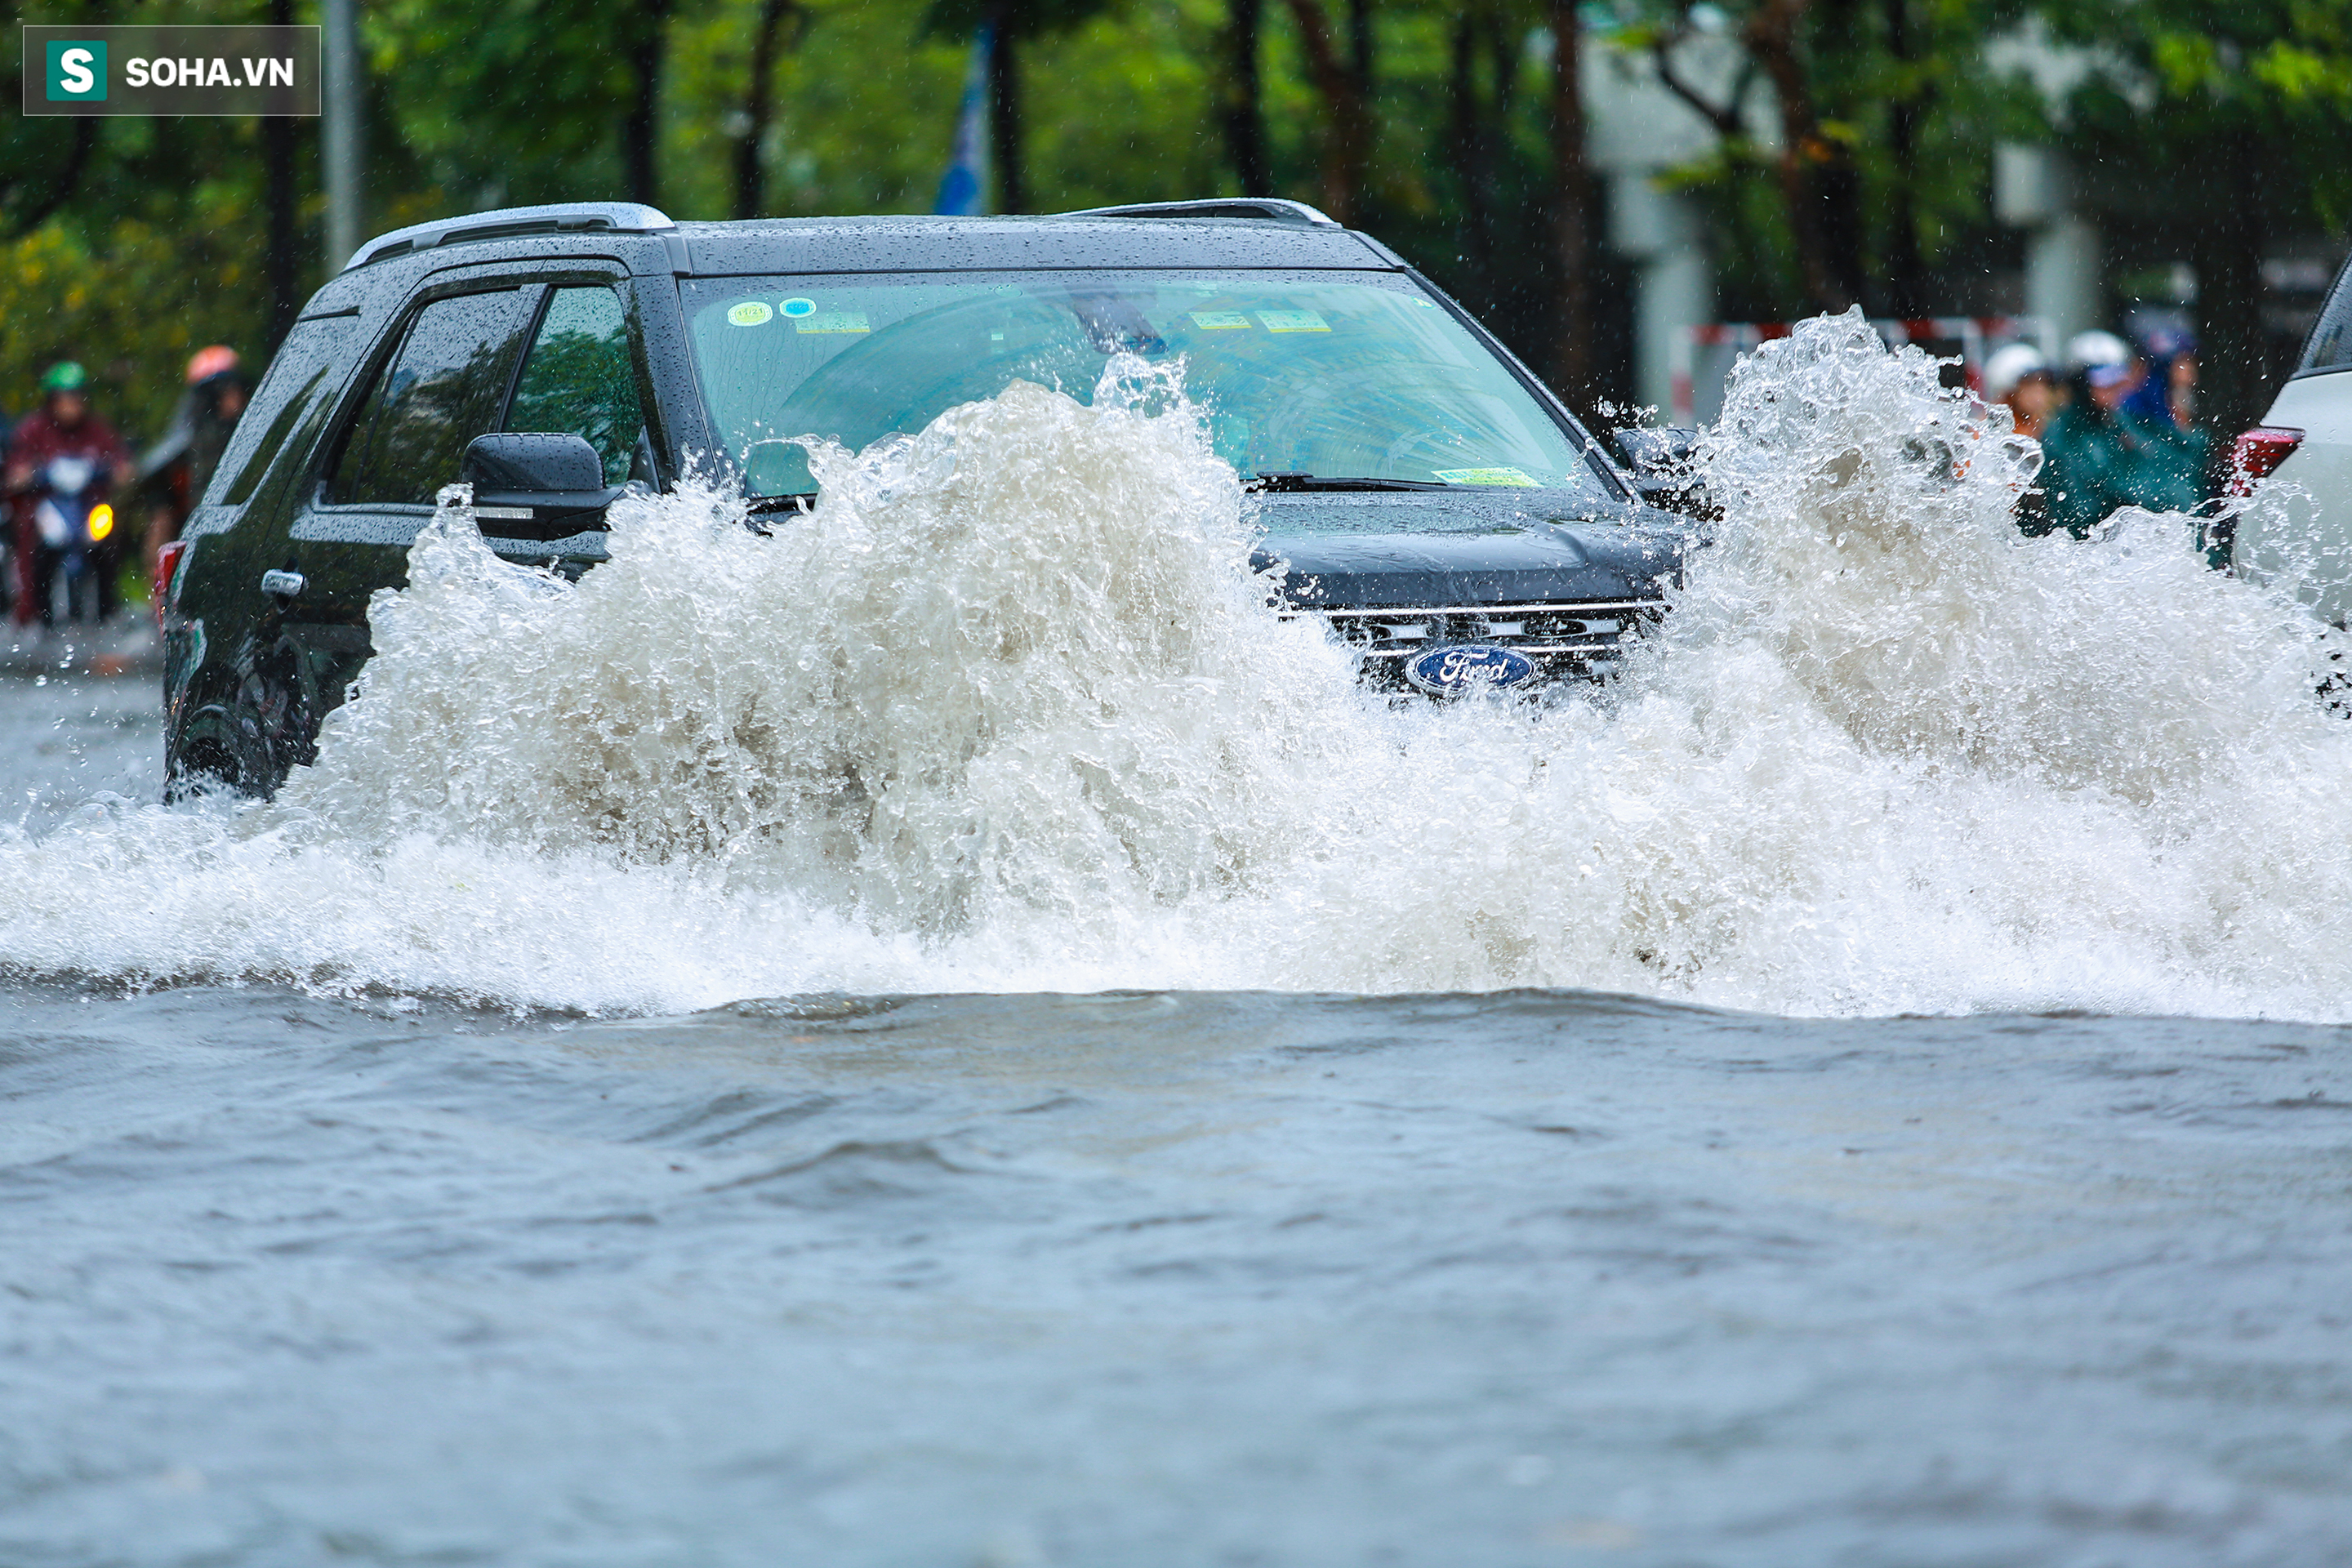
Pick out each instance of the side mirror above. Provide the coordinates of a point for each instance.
(554, 484)
(1659, 462)
(1647, 449)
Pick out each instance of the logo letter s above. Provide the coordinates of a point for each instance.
(73, 69)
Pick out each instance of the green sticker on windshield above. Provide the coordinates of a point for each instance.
(1220, 321)
(833, 321)
(1484, 477)
(1293, 321)
(749, 313)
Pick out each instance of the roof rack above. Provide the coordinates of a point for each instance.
(506, 223)
(1260, 207)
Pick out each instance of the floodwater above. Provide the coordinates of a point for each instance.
(896, 1045)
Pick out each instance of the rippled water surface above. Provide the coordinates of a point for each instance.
(947, 1035)
(1169, 1279)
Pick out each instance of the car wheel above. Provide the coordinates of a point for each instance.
(205, 756)
(249, 740)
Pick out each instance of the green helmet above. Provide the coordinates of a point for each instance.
(63, 376)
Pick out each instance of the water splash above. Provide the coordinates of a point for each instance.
(1006, 711)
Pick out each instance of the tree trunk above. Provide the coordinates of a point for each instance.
(1503, 45)
(759, 104)
(1347, 124)
(1472, 165)
(2233, 368)
(640, 128)
(84, 138)
(1360, 43)
(1906, 274)
(1245, 106)
(1004, 114)
(1835, 186)
(1771, 39)
(1571, 188)
(278, 206)
(1828, 167)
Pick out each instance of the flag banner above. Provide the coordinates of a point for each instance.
(963, 191)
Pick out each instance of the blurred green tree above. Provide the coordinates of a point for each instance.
(1882, 116)
(128, 243)
(2236, 110)
(526, 102)
(1452, 127)
(1013, 25)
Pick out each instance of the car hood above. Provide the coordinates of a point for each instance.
(1433, 549)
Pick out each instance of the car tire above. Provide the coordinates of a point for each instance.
(247, 739)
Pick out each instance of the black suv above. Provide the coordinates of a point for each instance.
(1426, 494)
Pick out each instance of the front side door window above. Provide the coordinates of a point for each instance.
(442, 388)
(578, 378)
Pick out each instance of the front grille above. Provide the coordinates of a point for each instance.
(1567, 641)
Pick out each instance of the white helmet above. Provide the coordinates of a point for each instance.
(2096, 351)
(2008, 367)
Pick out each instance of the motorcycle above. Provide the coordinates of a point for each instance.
(73, 526)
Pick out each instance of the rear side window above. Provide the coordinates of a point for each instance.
(578, 379)
(440, 390)
(2330, 347)
(297, 377)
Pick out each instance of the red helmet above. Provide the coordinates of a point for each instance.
(217, 360)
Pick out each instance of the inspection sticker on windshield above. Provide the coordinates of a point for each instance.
(1484, 477)
(1219, 321)
(749, 313)
(797, 309)
(1293, 321)
(833, 321)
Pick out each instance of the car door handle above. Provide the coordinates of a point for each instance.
(283, 584)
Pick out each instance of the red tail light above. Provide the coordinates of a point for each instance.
(167, 560)
(2258, 453)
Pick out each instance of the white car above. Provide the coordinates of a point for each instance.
(2305, 445)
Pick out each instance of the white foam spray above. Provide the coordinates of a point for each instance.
(1006, 711)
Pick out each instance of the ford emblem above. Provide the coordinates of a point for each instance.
(1461, 667)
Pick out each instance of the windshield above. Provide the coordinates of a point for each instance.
(1313, 376)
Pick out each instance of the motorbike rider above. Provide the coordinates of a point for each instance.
(2100, 457)
(63, 427)
(175, 471)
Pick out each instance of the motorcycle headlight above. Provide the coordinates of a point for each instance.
(101, 521)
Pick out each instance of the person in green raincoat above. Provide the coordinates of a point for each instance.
(2098, 456)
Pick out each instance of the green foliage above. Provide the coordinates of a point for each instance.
(1862, 76)
(157, 248)
(2228, 120)
(864, 110)
(502, 104)
(131, 299)
(155, 255)
(2168, 80)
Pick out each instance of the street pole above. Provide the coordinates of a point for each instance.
(346, 224)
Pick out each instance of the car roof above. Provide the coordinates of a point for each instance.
(1225, 232)
(1077, 241)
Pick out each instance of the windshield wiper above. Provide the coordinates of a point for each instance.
(799, 501)
(1292, 481)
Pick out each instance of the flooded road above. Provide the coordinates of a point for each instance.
(71, 736)
(1168, 1278)
(890, 1044)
